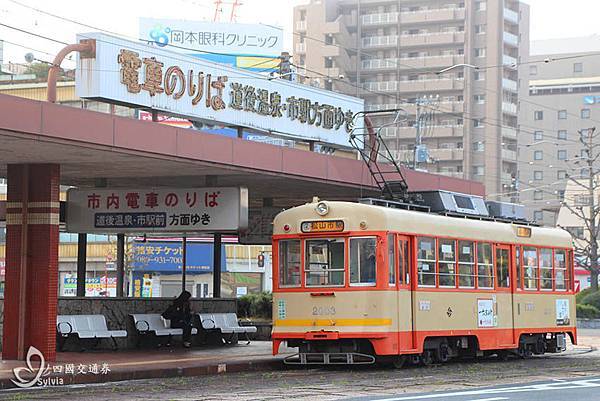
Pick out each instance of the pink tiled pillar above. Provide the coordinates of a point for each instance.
(30, 301)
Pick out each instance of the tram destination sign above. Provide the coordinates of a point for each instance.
(153, 210)
(149, 77)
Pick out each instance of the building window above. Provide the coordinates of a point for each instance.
(538, 195)
(561, 174)
(480, 28)
(480, 52)
(538, 115)
(576, 232)
(538, 215)
(478, 170)
(538, 135)
(477, 123)
(329, 39)
(578, 67)
(562, 154)
(562, 134)
(585, 113)
(328, 62)
(478, 146)
(480, 6)
(479, 99)
(479, 75)
(562, 114)
(538, 175)
(538, 155)
(533, 70)
(560, 194)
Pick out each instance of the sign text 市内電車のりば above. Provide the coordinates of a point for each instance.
(148, 77)
(157, 210)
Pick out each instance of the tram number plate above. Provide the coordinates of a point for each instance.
(323, 310)
(322, 226)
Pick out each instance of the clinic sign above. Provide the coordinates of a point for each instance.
(213, 37)
(150, 210)
(148, 77)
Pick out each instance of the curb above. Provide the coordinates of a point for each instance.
(155, 373)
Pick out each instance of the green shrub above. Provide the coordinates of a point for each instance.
(593, 298)
(258, 305)
(588, 312)
(582, 294)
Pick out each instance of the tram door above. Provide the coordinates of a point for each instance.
(406, 309)
(504, 271)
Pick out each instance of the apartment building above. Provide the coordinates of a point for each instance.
(563, 99)
(391, 52)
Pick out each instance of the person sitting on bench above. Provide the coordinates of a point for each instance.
(180, 316)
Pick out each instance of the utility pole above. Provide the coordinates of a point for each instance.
(418, 139)
(425, 109)
(586, 248)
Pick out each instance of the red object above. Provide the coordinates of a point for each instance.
(322, 294)
(31, 284)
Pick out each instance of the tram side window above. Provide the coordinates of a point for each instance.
(447, 263)
(426, 261)
(363, 260)
(546, 268)
(485, 268)
(324, 262)
(560, 267)
(391, 260)
(289, 263)
(466, 264)
(502, 271)
(530, 262)
(519, 266)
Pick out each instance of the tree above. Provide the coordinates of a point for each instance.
(587, 208)
(40, 70)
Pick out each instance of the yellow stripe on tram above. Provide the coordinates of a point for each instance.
(332, 322)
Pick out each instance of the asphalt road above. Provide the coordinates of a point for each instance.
(553, 390)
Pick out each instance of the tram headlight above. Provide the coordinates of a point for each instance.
(322, 208)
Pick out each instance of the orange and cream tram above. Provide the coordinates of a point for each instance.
(356, 283)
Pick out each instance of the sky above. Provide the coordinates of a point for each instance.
(549, 19)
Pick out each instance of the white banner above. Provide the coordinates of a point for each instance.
(148, 77)
(213, 37)
(150, 210)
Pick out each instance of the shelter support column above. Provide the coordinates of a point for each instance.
(81, 263)
(31, 286)
(217, 266)
(120, 264)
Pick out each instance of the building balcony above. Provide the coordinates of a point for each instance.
(446, 154)
(510, 108)
(301, 25)
(300, 47)
(509, 155)
(380, 41)
(509, 84)
(379, 18)
(511, 39)
(432, 16)
(437, 38)
(380, 64)
(510, 15)
(437, 62)
(509, 61)
(510, 133)
(506, 178)
(431, 85)
(436, 131)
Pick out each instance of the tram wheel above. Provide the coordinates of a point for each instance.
(398, 361)
(426, 358)
(442, 354)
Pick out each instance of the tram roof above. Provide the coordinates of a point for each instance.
(380, 218)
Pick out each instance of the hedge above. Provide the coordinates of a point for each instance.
(588, 312)
(258, 305)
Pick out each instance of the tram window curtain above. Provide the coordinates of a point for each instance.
(560, 268)
(363, 261)
(466, 264)
(447, 262)
(426, 261)
(530, 264)
(485, 267)
(546, 269)
(289, 263)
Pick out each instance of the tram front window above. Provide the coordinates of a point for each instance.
(324, 262)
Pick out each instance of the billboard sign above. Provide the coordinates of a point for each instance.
(148, 210)
(167, 257)
(148, 77)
